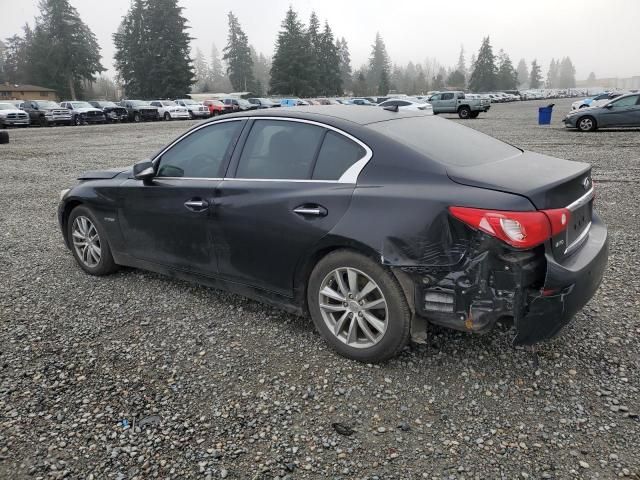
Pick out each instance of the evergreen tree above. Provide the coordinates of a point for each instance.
(421, 81)
(566, 74)
(523, 73)
(461, 67)
(379, 78)
(591, 78)
(291, 61)
(16, 60)
(360, 87)
(3, 54)
(456, 80)
(329, 64)
(63, 52)
(552, 74)
(535, 78)
(483, 77)
(314, 74)
(237, 56)
(202, 73)
(345, 63)
(507, 76)
(219, 80)
(152, 50)
(132, 59)
(261, 69)
(438, 82)
(171, 69)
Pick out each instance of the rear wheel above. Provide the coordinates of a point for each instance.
(587, 124)
(358, 307)
(464, 112)
(89, 243)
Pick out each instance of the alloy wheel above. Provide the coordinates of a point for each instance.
(353, 307)
(585, 124)
(86, 241)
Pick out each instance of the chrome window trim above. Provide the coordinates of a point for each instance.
(582, 201)
(350, 176)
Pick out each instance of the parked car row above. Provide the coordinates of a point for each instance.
(620, 111)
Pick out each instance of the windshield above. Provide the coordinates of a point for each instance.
(169, 103)
(107, 104)
(45, 104)
(242, 102)
(138, 103)
(7, 106)
(445, 141)
(189, 102)
(81, 105)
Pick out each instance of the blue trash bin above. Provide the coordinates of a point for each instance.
(544, 115)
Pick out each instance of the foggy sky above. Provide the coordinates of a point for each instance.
(603, 37)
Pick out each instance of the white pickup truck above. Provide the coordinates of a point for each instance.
(457, 102)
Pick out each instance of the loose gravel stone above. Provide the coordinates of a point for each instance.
(138, 376)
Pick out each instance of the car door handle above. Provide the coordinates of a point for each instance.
(196, 205)
(311, 211)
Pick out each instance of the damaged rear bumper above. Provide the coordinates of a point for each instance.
(478, 281)
(568, 287)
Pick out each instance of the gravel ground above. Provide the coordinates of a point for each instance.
(138, 376)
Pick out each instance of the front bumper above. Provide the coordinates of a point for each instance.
(572, 284)
(570, 121)
(14, 122)
(200, 113)
(178, 115)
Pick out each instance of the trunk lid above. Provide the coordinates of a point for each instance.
(546, 181)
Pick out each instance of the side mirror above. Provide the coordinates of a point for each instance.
(144, 171)
(608, 106)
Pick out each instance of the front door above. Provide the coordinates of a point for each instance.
(288, 188)
(170, 220)
(448, 102)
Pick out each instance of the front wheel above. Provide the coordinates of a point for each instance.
(587, 124)
(358, 307)
(89, 243)
(136, 117)
(474, 114)
(464, 112)
(167, 117)
(77, 120)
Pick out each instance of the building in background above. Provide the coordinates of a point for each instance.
(26, 92)
(612, 83)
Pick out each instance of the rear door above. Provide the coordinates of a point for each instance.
(287, 188)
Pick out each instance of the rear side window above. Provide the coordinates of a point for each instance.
(447, 96)
(445, 141)
(336, 155)
(280, 149)
(201, 154)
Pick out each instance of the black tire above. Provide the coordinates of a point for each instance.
(106, 264)
(136, 117)
(396, 334)
(43, 122)
(586, 124)
(77, 120)
(190, 115)
(464, 112)
(167, 117)
(4, 137)
(474, 114)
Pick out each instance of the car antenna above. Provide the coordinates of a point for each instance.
(391, 108)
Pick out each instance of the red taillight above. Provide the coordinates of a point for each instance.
(518, 229)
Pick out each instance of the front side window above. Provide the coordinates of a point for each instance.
(336, 155)
(277, 149)
(435, 97)
(202, 153)
(625, 102)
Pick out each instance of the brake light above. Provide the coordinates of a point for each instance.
(518, 229)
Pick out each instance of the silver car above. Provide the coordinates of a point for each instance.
(624, 111)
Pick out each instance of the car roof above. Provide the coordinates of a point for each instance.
(327, 113)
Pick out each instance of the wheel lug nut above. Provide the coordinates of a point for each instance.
(359, 314)
(345, 304)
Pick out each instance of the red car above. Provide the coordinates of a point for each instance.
(216, 107)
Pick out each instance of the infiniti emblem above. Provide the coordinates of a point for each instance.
(586, 183)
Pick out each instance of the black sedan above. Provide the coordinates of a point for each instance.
(374, 222)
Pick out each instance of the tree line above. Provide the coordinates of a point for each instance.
(153, 59)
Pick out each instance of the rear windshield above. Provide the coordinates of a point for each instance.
(445, 141)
